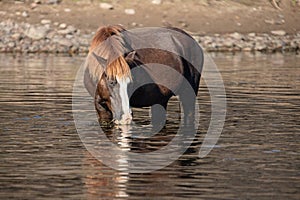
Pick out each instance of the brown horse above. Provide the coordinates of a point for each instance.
(140, 68)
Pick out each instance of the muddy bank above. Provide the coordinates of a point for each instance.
(51, 37)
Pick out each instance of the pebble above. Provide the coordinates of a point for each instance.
(67, 10)
(69, 36)
(52, 1)
(25, 14)
(251, 34)
(279, 32)
(63, 26)
(36, 33)
(129, 11)
(156, 2)
(68, 30)
(11, 44)
(270, 21)
(106, 6)
(33, 5)
(64, 42)
(45, 21)
(236, 36)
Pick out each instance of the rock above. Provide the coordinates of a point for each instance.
(156, 2)
(252, 34)
(129, 11)
(83, 41)
(260, 47)
(68, 30)
(36, 33)
(52, 1)
(134, 24)
(236, 36)
(270, 21)
(11, 44)
(51, 34)
(47, 26)
(67, 10)
(63, 26)
(69, 36)
(247, 49)
(197, 38)
(183, 23)
(33, 5)
(280, 22)
(106, 6)
(228, 43)
(58, 39)
(45, 21)
(16, 36)
(278, 32)
(25, 14)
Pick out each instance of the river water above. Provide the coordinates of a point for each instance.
(256, 157)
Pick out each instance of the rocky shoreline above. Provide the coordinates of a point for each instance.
(48, 37)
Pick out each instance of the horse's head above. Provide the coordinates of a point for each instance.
(113, 76)
(112, 89)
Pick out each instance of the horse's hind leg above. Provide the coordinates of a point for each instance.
(188, 100)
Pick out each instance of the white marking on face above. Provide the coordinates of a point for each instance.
(126, 116)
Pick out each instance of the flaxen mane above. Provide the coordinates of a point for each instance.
(109, 44)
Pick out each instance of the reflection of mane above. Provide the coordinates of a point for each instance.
(109, 44)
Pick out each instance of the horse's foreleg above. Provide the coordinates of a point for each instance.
(189, 111)
(158, 115)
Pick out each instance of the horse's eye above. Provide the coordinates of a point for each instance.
(103, 101)
(112, 82)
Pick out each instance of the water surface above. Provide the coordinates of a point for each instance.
(257, 155)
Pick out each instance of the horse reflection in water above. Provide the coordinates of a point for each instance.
(102, 181)
(142, 68)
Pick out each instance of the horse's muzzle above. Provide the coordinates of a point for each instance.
(126, 119)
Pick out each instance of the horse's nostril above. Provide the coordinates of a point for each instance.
(126, 119)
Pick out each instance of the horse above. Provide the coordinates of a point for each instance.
(142, 68)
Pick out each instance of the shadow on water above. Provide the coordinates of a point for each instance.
(257, 155)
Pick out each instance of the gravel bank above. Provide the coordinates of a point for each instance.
(48, 37)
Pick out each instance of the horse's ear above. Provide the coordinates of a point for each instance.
(132, 57)
(101, 61)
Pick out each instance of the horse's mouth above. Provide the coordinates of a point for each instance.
(126, 119)
(123, 122)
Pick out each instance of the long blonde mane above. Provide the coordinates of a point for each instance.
(109, 44)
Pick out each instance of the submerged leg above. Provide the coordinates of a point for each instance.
(158, 116)
(189, 111)
(188, 99)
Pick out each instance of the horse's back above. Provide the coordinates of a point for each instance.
(171, 47)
